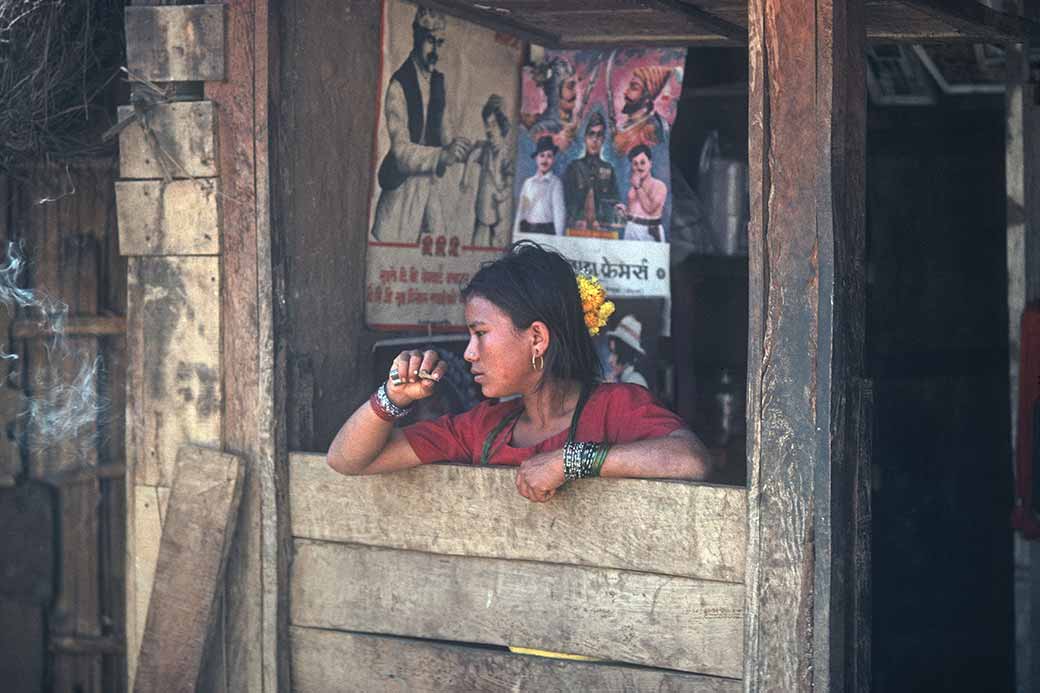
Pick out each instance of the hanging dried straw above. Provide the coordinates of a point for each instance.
(57, 57)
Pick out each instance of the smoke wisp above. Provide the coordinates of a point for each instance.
(63, 410)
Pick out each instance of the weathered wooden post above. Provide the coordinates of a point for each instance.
(194, 216)
(808, 531)
(1023, 272)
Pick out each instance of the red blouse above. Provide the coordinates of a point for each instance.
(614, 413)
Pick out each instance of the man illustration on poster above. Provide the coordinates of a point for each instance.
(642, 123)
(420, 148)
(646, 198)
(559, 82)
(540, 208)
(626, 350)
(589, 184)
(494, 181)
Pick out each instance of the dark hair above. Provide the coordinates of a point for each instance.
(625, 354)
(494, 105)
(640, 149)
(595, 120)
(531, 282)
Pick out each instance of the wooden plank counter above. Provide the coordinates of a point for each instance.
(634, 571)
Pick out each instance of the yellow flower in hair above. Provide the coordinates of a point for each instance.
(594, 303)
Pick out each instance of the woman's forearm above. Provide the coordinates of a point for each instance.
(680, 455)
(367, 435)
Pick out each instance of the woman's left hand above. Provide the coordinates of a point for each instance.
(540, 476)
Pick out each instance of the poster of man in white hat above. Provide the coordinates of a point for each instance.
(628, 346)
(626, 349)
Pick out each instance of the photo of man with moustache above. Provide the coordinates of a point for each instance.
(420, 147)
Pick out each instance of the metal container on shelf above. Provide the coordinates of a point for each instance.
(723, 184)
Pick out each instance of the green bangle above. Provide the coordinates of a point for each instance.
(601, 457)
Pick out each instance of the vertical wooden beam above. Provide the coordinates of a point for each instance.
(252, 630)
(1023, 277)
(807, 125)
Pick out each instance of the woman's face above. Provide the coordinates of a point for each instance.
(499, 354)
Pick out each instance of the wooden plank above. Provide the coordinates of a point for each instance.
(109, 326)
(1022, 153)
(71, 369)
(722, 22)
(196, 538)
(175, 218)
(81, 326)
(693, 530)
(86, 645)
(329, 660)
(173, 333)
(973, 19)
(505, 22)
(258, 567)
(640, 618)
(713, 23)
(806, 338)
(176, 44)
(178, 142)
(147, 510)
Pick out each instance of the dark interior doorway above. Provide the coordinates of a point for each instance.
(937, 351)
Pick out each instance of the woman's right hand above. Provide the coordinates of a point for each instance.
(411, 366)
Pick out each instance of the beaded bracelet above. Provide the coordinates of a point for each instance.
(384, 408)
(583, 459)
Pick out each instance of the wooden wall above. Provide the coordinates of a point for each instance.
(64, 508)
(448, 563)
(323, 122)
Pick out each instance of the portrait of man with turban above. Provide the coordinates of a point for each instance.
(642, 125)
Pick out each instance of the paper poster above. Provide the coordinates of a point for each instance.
(593, 173)
(442, 197)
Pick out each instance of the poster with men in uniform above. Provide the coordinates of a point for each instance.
(592, 167)
(443, 165)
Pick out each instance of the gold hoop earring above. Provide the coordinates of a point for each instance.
(537, 362)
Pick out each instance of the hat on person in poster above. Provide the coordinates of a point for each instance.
(630, 331)
(429, 20)
(545, 144)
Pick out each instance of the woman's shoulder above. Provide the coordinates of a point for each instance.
(623, 392)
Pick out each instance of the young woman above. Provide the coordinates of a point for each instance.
(529, 337)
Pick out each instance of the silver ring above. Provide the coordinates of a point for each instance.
(395, 376)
